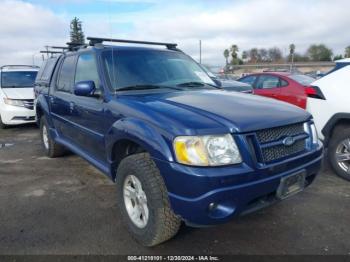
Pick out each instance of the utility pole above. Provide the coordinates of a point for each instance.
(47, 51)
(200, 51)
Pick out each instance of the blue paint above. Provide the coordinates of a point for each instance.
(91, 126)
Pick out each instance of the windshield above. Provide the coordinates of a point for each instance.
(210, 73)
(128, 68)
(18, 79)
(303, 79)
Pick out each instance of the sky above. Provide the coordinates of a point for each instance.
(26, 26)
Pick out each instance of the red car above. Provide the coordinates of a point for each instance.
(288, 87)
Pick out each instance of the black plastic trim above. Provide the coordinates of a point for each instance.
(327, 129)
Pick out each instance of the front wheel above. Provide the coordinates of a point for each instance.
(339, 152)
(143, 201)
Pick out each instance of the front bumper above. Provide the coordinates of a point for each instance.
(233, 190)
(16, 115)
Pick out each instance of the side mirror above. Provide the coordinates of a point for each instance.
(84, 88)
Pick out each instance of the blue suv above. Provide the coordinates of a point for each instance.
(178, 147)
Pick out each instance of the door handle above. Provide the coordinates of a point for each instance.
(71, 106)
(52, 100)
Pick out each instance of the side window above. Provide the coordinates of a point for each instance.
(283, 83)
(42, 68)
(48, 70)
(66, 75)
(266, 82)
(249, 80)
(87, 70)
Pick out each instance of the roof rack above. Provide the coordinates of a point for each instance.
(96, 40)
(75, 46)
(15, 66)
(50, 52)
(60, 47)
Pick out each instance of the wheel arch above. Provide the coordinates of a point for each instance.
(336, 120)
(131, 136)
(42, 109)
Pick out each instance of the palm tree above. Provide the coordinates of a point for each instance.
(347, 51)
(234, 49)
(291, 52)
(226, 55)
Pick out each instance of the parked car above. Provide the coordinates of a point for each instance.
(178, 148)
(288, 87)
(330, 107)
(339, 64)
(16, 94)
(228, 84)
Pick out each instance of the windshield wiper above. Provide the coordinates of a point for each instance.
(191, 84)
(144, 87)
(196, 84)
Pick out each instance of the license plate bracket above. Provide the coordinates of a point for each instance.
(291, 184)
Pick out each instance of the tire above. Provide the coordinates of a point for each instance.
(51, 148)
(2, 125)
(162, 224)
(339, 144)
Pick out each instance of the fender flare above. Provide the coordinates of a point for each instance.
(44, 108)
(149, 137)
(328, 128)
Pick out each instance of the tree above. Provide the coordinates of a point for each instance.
(234, 54)
(300, 58)
(337, 57)
(291, 52)
(253, 55)
(347, 52)
(275, 54)
(226, 55)
(263, 55)
(244, 55)
(76, 31)
(319, 53)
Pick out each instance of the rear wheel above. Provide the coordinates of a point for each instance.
(339, 151)
(143, 201)
(51, 148)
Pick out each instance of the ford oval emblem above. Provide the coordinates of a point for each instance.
(288, 141)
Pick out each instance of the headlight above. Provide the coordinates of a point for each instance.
(213, 150)
(13, 102)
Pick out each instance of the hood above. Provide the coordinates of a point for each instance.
(232, 85)
(19, 93)
(212, 110)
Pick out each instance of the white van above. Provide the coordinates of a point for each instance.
(17, 94)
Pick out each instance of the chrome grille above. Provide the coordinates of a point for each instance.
(271, 142)
(281, 151)
(272, 134)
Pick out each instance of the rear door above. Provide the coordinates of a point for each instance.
(292, 93)
(267, 85)
(61, 99)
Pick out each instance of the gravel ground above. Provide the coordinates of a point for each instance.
(65, 206)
